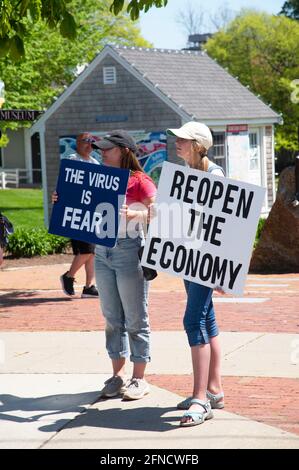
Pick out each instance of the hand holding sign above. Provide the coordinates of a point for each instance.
(204, 229)
(87, 208)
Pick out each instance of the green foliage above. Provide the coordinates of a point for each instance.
(262, 50)
(23, 207)
(18, 16)
(134, 7)
(51, 61)
(259, 229)
(35, 242)
(291, 9)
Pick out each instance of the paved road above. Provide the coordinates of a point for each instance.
(54, 363)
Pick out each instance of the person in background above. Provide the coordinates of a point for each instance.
(193, 140)
(6, 229)
(83, 251)
(123, 290)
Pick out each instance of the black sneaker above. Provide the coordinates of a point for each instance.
(67, 284)
(91, 291)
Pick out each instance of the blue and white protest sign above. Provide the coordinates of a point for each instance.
(89, 199)
(204, 227)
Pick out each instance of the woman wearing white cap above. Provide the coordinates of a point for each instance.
(193, 140)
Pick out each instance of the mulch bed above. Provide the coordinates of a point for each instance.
(10, 262)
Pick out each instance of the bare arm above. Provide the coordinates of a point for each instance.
(54, 197)
(141, 213)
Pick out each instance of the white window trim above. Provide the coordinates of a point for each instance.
(222, 131)
(256, 130)
(109, 75)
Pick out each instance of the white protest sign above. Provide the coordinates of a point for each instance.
(204, 228)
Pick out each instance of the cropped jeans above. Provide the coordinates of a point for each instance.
(199, 319)
(123, 293)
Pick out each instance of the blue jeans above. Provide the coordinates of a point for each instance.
(199, 319)
(123, 295)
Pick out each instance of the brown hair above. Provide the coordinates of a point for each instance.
(199, 159)
(129, 160)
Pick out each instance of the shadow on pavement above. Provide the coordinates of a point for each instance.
(143, 418)
(56, 404)
(25, 298)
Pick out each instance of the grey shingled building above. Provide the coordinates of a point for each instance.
(150, 90)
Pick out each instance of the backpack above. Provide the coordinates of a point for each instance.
(6, 229)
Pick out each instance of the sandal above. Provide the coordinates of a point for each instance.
(185, 404)
(198, 417)
(216, 401)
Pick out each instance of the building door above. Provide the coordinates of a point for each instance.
(36, 161)
(254, 157)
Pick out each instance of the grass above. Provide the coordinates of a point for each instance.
(23, 207)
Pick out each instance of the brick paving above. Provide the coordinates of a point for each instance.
(53, 311)
(274, 401)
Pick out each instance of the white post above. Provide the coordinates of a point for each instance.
(44, 173)
(28, 155)
(17, 177)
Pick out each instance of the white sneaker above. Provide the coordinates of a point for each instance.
(136, 389)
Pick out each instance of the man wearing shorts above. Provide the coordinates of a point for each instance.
(84, 252)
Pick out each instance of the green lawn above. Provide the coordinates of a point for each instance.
(23, 207)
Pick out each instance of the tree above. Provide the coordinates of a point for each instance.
(191, 19)
(51, 62)
(291, 9)
(17, 18)
(262, 51)
(222, 17)
(134, 7)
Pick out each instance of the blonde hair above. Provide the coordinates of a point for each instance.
(199, 159)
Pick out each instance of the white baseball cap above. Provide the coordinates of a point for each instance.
(194, 131)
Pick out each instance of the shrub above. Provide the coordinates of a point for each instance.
(35, 242)
(259, 229)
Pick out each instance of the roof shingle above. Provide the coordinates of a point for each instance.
(203, 88)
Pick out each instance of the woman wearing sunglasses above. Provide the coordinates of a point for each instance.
(83, 251)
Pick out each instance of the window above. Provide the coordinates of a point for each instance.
(109, 75)
(218, 154)
(253, 151)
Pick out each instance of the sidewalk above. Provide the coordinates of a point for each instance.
(55, 363)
